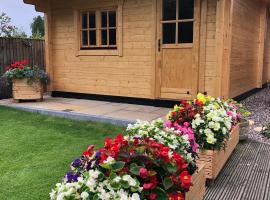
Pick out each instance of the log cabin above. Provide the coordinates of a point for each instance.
(157, 49)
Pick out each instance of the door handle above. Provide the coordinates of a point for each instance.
(159, 45)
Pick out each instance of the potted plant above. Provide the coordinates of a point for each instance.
(27, 81)
(244, 123)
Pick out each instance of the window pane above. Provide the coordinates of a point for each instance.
(112, 37)
(185, 32)
(186, 9)
(104, 37)
(169, 9)
(169, 33)
(112, 19)
(84, 38)
(92, 37)
(92, 20)
(84, 20)
(104, 19)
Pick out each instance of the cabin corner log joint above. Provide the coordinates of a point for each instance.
(157, 49)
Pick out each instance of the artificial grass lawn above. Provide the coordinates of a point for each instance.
(36, 150)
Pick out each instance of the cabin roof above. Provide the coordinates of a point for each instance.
(43, 5)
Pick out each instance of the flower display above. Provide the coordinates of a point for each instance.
(181, 140)
(211, 120)
(22, 69)
(141, 168)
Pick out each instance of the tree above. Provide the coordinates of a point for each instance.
(19, 33)
(6, 29)
(37, 27)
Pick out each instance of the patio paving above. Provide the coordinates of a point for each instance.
(116, 113)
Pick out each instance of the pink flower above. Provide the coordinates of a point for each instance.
(168, 124)
(143, 173)
(186, 124)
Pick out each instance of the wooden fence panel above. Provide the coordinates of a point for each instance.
(13, 49)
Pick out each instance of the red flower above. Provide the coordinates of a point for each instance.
(176, 196)
(152, 184)
(153, 196)
(21, 67)
(144, 173)
(103, 158)
(108, 142)
(178, 158)
(164, 153)
(7, 68)
(185, 178)
(86, 153)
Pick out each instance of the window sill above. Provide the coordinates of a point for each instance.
(98, 53)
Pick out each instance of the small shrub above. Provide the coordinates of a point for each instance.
(266, 131)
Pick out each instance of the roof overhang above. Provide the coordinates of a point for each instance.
(40, 5)
(43, 5)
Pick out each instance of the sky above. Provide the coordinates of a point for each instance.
(20, 13)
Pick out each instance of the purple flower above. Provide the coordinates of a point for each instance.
(72, 177)
(76, 163)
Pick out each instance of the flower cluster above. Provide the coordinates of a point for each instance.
(22, 69)
(210, 118)
(141, 168)
(180, 140)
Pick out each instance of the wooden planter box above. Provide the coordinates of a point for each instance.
(24, 91)
(197, 191)
(215, 160)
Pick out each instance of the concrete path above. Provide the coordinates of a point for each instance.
(116, 113)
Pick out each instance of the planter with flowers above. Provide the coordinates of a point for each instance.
(181, 141)
(130, 168)
(216, 129)
(27, 81)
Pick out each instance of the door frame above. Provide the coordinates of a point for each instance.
(195, 48)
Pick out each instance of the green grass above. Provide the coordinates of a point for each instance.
(36, 151)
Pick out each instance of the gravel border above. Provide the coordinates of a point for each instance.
(259, 105)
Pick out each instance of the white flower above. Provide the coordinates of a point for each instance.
(117, 179)
(53, 194)
(211, 139)
(130, 180)
(84, 195)
(216, 126)
(135, 196)
(110, 160)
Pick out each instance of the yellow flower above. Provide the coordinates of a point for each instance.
(201, 97)
(209, 98)
(217, 106)
(176, 108)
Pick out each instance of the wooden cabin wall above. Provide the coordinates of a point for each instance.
(266, 65)
(131, 75)
(245, 46)
(208, 59)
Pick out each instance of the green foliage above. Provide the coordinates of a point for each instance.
(266, 131)
(22, 69)
(36, 150)
(37, 26)
(19, 33)
(240, 108)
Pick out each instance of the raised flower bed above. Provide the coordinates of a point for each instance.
(197, 190)
(214, 160)
(27, 81)
(216, 129)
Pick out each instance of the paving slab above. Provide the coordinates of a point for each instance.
(116, 113)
